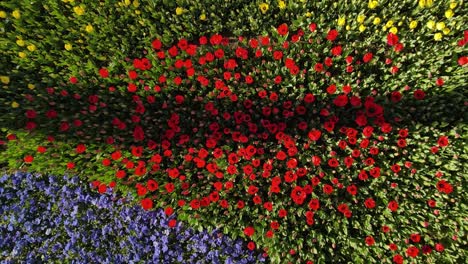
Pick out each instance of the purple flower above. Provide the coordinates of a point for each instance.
(56, 219)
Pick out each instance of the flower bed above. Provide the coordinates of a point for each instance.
(59, 219)
(323, 139)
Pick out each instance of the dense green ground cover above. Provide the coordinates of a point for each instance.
(318, 135)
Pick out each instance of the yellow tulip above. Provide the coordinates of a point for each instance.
(413, 24)
(341, 21)
(422, 3)
(308, 14)
(394, 30)
(377, 21)
(20, 42)
(31, 86)
(16, 14)
(431, 24)
(68, 46)
(429, 3)
(5, 79)
(449, 13)
(437, 36)
(263, 7)
(179, 11)
(373, 4)
(348, 27)
(127, 2)
(89, 28)
(446, 31)
(3, 14)
(14, 104)
(362, 28)
(453, 5)
(361, 18)
(31, 47)
(440, 25)
(281, 4)
(79, 10)
(203, 17)
(22, 55)
(389, 23)
(136, 3)
(137, 12)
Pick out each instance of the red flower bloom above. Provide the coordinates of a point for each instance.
(80, 148)
(412, 251)
(298, 195)
(443, 141)
(341, 100)
(282, 213)
(367, 57)
(138, 133)
(327, 188)
(336, 51)
(352, 189)
(251, 245)
(426, 249)
(318, 67)
(393, 206)
(369, 203)
(439, 247)
(156, 44)
(283, 29)
(398, 259)
(70, 165)
(392, 39)
(444, 186)
(147, 203)
(415, 238)
(314, 204)
(396, 168)
(314, 134)
(249, 231)
(104, 72)
(333, 163)
(370, 240)
(41, 149)
(28, 159)
(419, 94)
(172, 223)
(396, 96)
(332, 35)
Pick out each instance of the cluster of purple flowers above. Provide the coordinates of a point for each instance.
(59, 219)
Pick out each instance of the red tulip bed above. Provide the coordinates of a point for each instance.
(313, 145)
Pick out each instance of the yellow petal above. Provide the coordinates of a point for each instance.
(31, 47)
(449, 13)
(16, 14)
(20, 42)
(5, 79)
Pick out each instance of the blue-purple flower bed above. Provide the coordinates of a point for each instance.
(59, 219)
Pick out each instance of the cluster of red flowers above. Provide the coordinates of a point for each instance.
(203, 131)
